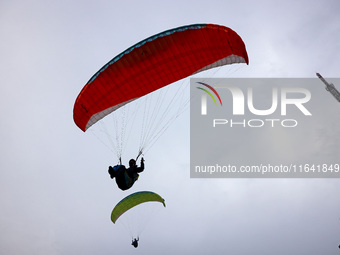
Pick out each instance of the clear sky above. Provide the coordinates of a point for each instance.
(55, 194)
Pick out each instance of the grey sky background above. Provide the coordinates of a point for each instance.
(56, 196)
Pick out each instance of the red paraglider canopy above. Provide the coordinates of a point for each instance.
(154, 63)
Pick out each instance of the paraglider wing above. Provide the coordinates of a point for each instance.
(132, 200)
(154, 63)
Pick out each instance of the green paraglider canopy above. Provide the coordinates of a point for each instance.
(132, 200)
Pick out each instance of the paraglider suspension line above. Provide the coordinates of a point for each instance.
(139, 153)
